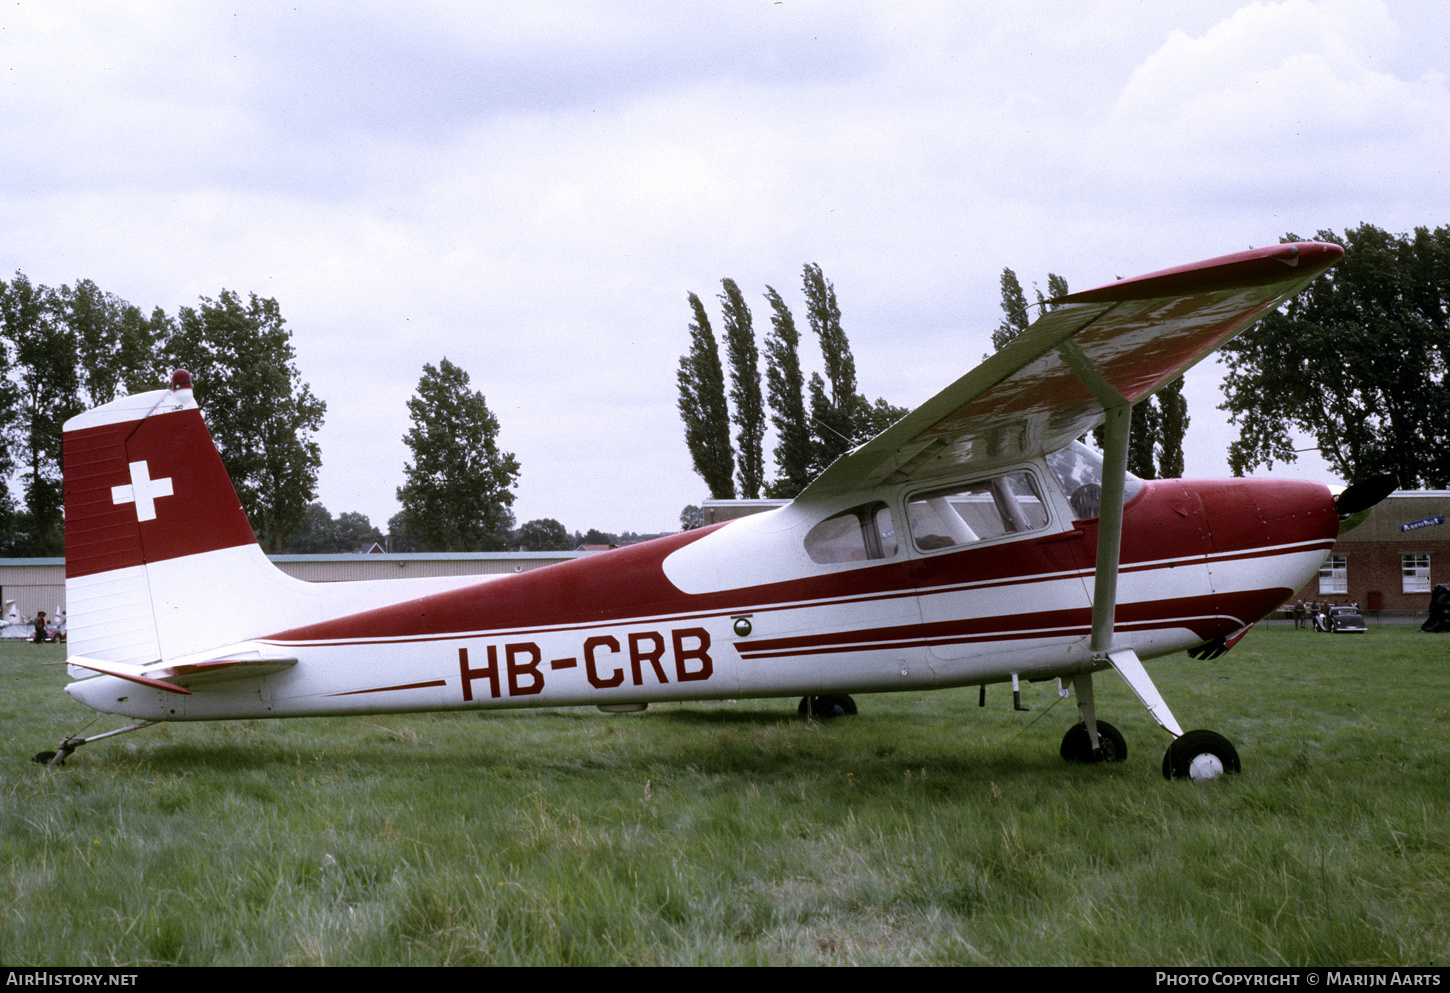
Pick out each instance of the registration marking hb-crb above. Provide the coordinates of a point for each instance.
(522, 673)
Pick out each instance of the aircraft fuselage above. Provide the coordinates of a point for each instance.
(671, 619)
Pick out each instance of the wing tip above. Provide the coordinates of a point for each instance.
(1256, 267)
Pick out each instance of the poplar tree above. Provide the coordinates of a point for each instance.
(1172, 427)
(786, 390)
(703, 409)
(1014, 311)
(749, 411)
(833, 400)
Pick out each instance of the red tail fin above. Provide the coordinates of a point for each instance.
(144, 483)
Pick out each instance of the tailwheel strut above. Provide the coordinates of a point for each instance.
(69, 745)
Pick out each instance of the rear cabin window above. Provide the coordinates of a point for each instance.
(979, 511)
(856, 535)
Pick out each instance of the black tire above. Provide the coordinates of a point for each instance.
(1077, 746)
(827, 707)
(1180, 755)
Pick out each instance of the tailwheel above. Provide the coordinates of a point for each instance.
(826, 707)
(1200, 755)
(1078, 747)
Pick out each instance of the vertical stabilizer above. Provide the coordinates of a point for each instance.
(152, 523)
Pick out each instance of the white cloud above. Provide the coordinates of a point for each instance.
(1276, 96)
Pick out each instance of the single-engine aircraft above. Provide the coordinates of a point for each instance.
(976, 541)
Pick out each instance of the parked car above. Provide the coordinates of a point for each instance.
(1345, 620)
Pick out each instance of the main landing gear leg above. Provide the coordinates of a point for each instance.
(1091, 740)
(69, 745)
(1193, 755)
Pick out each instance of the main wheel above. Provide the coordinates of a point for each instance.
(1200, 755)
(1078, 747)
(826, 707)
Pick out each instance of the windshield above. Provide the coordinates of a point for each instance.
(1079, 471)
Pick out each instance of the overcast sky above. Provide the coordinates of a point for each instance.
(531, 189)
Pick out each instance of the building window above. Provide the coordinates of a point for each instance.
(1415, 571)
(1334, 575)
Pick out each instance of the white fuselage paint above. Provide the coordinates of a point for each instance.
(543, 667)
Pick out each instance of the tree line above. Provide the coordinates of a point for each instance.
(816, 421)
(64, 350)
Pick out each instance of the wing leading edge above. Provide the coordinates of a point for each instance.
(1099, 349)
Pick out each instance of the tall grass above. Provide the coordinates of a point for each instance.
(925, 830)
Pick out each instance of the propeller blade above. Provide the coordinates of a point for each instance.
(1364, 494)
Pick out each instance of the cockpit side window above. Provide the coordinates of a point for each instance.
(856, 535)
(977, 511)
(1079, 471)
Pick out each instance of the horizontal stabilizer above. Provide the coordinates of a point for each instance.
(176, 678)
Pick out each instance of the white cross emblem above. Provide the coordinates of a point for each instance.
(143, 491)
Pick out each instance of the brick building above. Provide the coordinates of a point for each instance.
(1380, 565)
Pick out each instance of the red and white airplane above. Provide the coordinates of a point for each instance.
(974, 542)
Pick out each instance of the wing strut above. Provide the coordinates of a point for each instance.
(1105, 581)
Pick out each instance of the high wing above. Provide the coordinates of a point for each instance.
(1099, 349)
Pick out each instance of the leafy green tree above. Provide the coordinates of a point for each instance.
(703, 409)
(596, 537)
(749, 411)
(1056, 287)
(786, 390)
(544, 535)
(1358, 359)
(355, 531)
(46, 394)
(314, 536)
(401, 538)
(459, 485)
(839, 419)
(873, 418)
(262, 416)
(117, 346)
(320, 534)
(691, 517)
(69, 349)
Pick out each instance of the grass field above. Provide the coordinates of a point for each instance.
(925, 830)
